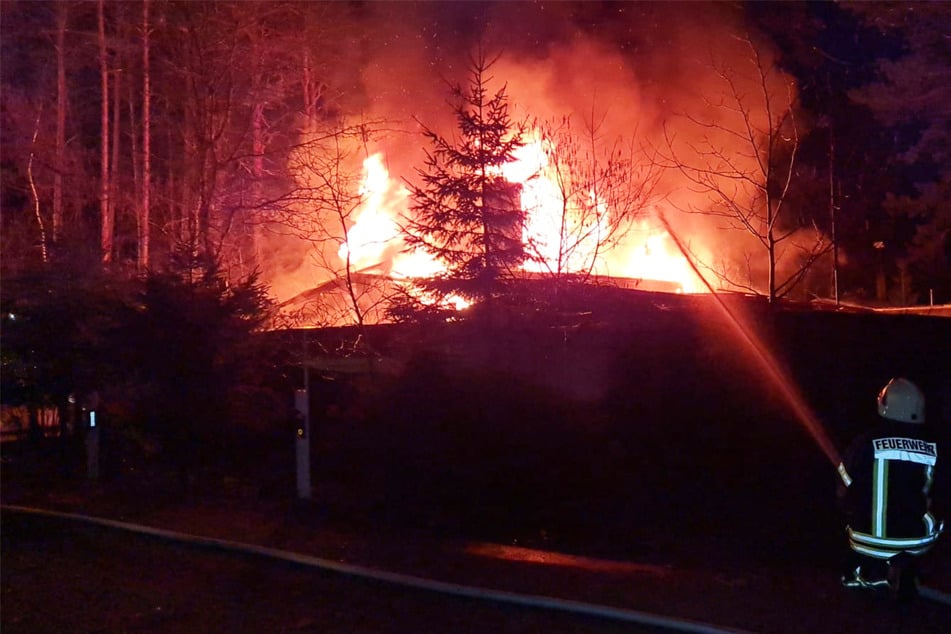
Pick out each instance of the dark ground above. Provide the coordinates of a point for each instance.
(58, 576)
(641, 431)
(107, 581)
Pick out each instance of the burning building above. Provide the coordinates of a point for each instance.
(591, 179)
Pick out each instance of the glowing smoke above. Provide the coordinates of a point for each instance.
(631, 67)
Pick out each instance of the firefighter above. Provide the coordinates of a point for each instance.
(886, 488)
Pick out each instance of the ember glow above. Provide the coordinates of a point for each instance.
(551, 558)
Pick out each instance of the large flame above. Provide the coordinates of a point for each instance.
(374, 241)
(375, 223)
(549, 221)
(647, 253)
(624, 90)
(652, 254)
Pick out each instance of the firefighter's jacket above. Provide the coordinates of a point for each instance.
(888, 503)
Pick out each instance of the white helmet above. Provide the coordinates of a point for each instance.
(901, 400)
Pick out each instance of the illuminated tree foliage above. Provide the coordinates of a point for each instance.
(465, 213)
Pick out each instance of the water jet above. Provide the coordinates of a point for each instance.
(800, 408)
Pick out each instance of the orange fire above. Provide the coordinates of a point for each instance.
(548, 223)
(375, 225)
(373, 241)
(647, 252)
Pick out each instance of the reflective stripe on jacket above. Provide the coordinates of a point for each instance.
(888, 501)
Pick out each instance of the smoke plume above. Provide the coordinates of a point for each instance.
(635, 68)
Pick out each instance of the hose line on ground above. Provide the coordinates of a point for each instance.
(395, 578)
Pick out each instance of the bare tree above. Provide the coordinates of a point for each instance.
(193, 147)
(121, 44)
(239, 98)
(322, 210)
(268, 54)
(742, 162)
(144, 216)
(107, 221)
(44, 250)
(211, 66)
(600, 187)
(62, 16)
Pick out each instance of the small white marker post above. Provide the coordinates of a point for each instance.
(302, 442)
(92, 448)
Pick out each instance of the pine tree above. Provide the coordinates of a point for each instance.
(465, 213)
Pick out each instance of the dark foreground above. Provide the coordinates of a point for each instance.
(640, 438)
(60, 576)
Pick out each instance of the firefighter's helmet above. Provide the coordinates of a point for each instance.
(901, 400)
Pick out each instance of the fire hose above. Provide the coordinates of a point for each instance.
(798, 404)
(394, 578)
(415, 582)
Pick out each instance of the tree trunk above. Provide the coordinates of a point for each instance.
(190, 179)
(136, 156)
(34, 193)
(144, 211)
(770, 245)
(248, 239)
(310, 94)
(114, 140)
(174, 216)
(61, 15)
(107, 222)
(258, 178)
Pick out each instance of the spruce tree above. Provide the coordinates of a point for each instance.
(465, 213)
